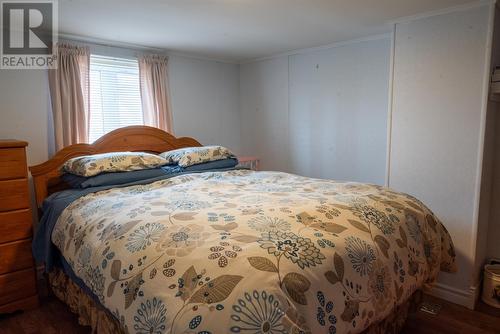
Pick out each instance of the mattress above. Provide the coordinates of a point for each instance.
(246, 252)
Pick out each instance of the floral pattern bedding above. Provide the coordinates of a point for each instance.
(190, 156)
(252, 252)
(91, 165)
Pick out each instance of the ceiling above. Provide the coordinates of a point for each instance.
(235, 30)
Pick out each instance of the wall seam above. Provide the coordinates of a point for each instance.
(444, 11)
(390, 106)
(480, 153)
(334, 45)
(289, 154)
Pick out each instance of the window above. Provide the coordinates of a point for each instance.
(115, 98)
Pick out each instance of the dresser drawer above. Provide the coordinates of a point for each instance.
(15, 225)
(15, 256)
(17, 285)
(14, 195)
(12, 163)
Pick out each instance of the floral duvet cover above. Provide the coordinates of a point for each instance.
(251, 252)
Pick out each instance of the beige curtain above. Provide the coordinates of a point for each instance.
(154, 91)
(69, 91)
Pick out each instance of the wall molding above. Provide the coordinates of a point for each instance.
(444, 11)
(475, 250)
(475, 294)
(105, 42)
(138, 47)
(319, 48)
(454, 295)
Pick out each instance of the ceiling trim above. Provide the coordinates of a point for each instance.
(138, 47)
(319, 48)
(105, 42)
(448, 10)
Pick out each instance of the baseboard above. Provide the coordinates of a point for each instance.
(475, 295)
(454, 295)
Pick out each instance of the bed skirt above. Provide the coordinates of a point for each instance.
(91, 313)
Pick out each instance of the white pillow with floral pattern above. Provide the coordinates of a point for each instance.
(90, 165)
(189, 156)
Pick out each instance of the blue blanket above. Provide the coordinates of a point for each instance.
(117, 178)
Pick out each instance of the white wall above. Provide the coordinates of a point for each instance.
(319, 113)
(205, 101)
(204, 96)
(264, 112)
(24, 111)
(439, 72)
(338, 112)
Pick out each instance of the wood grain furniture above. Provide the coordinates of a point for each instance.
(17, 271)
(46, 176)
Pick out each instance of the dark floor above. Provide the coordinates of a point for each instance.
(454, 319)
(55, 317)
(51, 317)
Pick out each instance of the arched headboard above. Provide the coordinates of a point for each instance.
(46, 176)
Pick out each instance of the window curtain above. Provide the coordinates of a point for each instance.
(154, 91)
(69, 91)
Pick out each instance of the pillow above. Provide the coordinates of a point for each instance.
(108, 179)
(91, 165)
(189, 156)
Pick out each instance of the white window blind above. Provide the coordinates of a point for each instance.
(115, 98)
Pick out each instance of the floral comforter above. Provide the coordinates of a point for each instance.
(251, 252)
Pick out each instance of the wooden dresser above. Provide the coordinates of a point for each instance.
(17, 270)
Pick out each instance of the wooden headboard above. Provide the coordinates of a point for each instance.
(46, 176)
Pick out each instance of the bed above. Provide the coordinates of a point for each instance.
(234, 251)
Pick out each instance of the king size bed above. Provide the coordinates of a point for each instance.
(232, 250)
